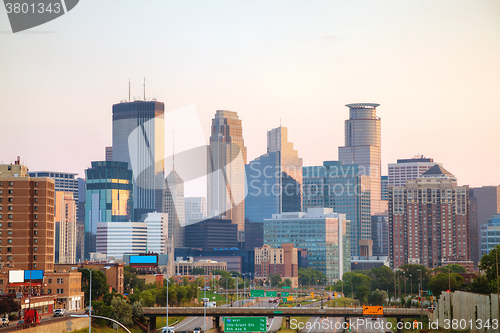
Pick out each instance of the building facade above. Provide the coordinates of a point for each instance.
(114, 272)
(139, 140)
(363, 147)
(408, 169)
(173, 205)
(325, 235)
(195, 208)
(108, 198)
(227, 156)
(212, 234)
(429, 221)
(384, 188)
(281, 261)
(114, 239)
(27, 228)
(185, 267)
(380, 235)
(346, 190)
(490, 234)
(157, 235)
(65, 222)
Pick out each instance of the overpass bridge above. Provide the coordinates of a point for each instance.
(345, 312)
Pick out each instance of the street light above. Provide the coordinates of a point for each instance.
(420, 287)
(166, 322)
(352, 290)
(90, 292)
(411, 286)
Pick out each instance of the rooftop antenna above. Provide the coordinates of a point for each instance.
(144, 88)
(129, 90)
(280, 121)
(173, 150)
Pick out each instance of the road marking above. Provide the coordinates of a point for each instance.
(176, 327)
(313, 324)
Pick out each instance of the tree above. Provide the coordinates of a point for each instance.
(454, 268)
(198, 271)
(4, 307)
(377, 297)
(309, 276)
(137, 310)
(288, 282)
(99, 284)
(275, 279)
(131, 280)
(481, 285)
(100, 308)
(489, 263)
(442, 282)
(121, 311)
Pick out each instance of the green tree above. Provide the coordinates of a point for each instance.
(443, 281)
(99, 284)
(311, 277)
(137, 310)
(455, 268)
(275, 279)
(198, 271)
(489, 263)
(288, 283)
(481, 285)
(121, 311)
(100, 308)
(377, 297)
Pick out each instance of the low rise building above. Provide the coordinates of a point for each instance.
(114, 274)
(185, 267)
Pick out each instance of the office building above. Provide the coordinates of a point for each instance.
(384, 188)
(346, 190)
(322, 232)
(227, 156)
(114, 239)
(108, 198)
(108, 154)
(274, 179)
(485, 202)
(254, 234)
(408, 169)
(195, 208)
(173, 205)
(80, 219)
(380, 235)
(281, 261)
(157, 224)
(185, 267)
(64, 181)
(237, 260)
(429, 221)
(212, 234)
(114, 274)
(27, 230)
(363, 147)
(490, 234)
(65, 222)
(139, 139)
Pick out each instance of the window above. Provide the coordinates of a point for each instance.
(35, 257)
(36, 224)
(49, 291)
(11, 191)
(35, 249)
(9, 224)
(36, 183)
(36, 191)
(0, 216)
(9, 249)
(50, 281)
(10, 199)
(36, 199)
(11, 208)
(9, 216)
(36, 216)
(11, 183)
(36, 207)
(9, 241)
(35, 232)
(9, 232)
(34, 265)
(35, 241)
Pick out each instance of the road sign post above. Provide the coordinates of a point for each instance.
(245, 324)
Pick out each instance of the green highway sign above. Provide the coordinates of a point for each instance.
(256, 293)
(285, 294)
(271, 294)
(285, 287)
(285, 299)
(277, 311)
(245, 324)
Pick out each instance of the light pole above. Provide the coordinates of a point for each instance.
(166, 323)
(205, 303)
(90, 292)
(352, 290)
(411, 286)
(226, 291)
(420, 288)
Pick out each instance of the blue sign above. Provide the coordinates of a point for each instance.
(144, 259)
(33, 275)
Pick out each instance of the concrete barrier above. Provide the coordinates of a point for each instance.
(70, 325)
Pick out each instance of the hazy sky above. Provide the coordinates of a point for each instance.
(434, 66)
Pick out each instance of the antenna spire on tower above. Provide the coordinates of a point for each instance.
(129, 90)
(144, 88)
(173, 150)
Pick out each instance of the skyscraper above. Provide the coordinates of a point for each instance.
(173, 205)
(65, 220)
(26, 219)
(138, 139)
(227, 156)
(196, 209)
(363, 147)
(346, 190)
(429, 221)
(109, 198)
(408, 169)
(274, 179)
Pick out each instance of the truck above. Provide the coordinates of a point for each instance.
(31, 317)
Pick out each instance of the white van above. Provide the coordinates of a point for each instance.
(167, 330)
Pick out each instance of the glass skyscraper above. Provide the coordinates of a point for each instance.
(343, 188)
(227, 156)
(108, 198)
(322, 232)
(490, 234)
(363, 147)
(139, 140)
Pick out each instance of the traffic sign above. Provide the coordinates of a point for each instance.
(290, 298)
(312, 294)
(256, 293)
(271, 294)
(373, 310)
(286, 287)
(245, 324)
(285, 294)
(285, 299)
(335, 295)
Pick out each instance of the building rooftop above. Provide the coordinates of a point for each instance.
(362, 105)
(437, 170)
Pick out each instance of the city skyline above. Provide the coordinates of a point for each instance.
(434, 70)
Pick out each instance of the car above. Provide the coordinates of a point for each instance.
(167, 330)
(5, 322)
(20, 322)
(374, 318)
(197, 330)
(298, 305)
(184, 331)
(59, 312)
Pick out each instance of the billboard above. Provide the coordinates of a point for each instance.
(33, 275)
(144, 261)
(16, 276)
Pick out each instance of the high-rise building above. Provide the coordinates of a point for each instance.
(157, 232)
(213, 233)
(227, 156)
(26, 219)
(345, 189)
(138, 139)
(109, 154)
(485, 202)
(65, 223)
(109, 198)
(322, 232)
(408, 169)
(254, 234)
(429, 221)
(274, 179)
(114, 239)
(64, 181)
(80, 220)
(384, 188)
(490, 234)
(173, 205)
(196, 209)
(363, 147)
(380, 235)
(281, 261)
